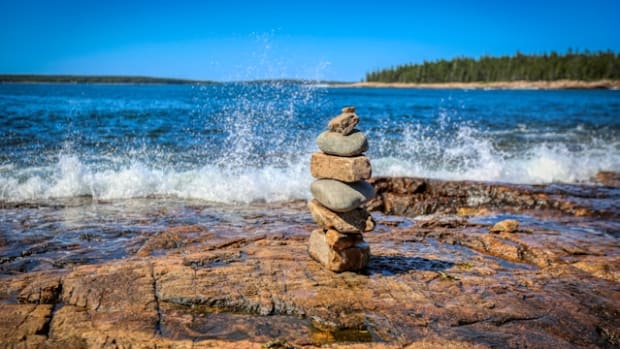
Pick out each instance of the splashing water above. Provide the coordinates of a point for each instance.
(468, 153)
(242, 142)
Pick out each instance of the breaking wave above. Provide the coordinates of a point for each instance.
(241, 143)
(469, 158)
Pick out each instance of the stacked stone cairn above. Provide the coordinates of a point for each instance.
(341, 170)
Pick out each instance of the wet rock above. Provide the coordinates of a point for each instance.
(161, 240)
(355, 221)
(472, 211)
(114, 288)
(509, 248)
(44, 289)
(346, 169)
(248, 281)
(450, 285)
(353, 258)
(443, 222)
(345, 122)
(32, 288)
(339, 241)
(601, 267)
(409, 196)
(608, 178)
(339, 196)
(507, 226)
(335, 143)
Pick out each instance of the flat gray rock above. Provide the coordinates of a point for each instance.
(341, 197)
(335, 143)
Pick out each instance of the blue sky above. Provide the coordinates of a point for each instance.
(332, 40)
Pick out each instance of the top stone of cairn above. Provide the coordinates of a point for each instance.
(345, 122)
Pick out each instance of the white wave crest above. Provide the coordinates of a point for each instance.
(70, 177)
(466, 154)
(479, 160)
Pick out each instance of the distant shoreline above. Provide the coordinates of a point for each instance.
(92, 79)
(145, 80)
(499, 85)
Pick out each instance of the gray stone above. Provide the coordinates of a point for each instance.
(341, 197)
(335, 143)
(354, 258)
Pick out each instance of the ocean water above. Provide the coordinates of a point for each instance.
(243, 143)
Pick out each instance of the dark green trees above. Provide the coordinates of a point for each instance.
(572, 66)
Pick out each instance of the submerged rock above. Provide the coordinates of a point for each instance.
(339, 196)
(506, 226)
(335, 143)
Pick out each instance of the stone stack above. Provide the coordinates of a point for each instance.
(341, 170)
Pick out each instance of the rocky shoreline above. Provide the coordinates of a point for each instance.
(499, 85)
(191, 275)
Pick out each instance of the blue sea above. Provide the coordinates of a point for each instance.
(251, 142)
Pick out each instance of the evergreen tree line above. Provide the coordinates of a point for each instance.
(585, 66)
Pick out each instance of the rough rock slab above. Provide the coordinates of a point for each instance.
(25, 325)
(353, 258)
(345, 169)
(344, 123)
(339, 196)
(423, 287)
(246, 280)
(335, 143)
(355, 221)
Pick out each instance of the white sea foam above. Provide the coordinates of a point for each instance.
(70, 178)
(451, 153)
(480, 161)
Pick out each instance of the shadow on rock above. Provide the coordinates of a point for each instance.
(392, 265)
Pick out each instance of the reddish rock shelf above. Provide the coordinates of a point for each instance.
(440, 280)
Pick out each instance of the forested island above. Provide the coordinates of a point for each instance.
(572, 66)
(93, 79)
(543, 71)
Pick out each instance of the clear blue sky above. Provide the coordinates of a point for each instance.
(238, 40)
